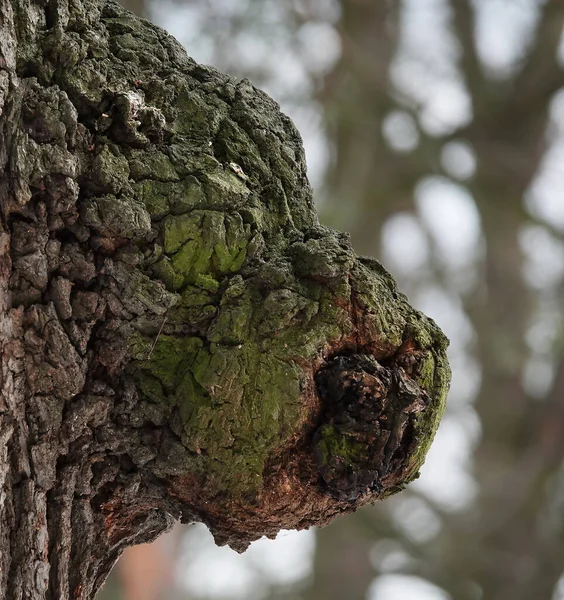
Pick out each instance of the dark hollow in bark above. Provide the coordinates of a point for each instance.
(368, 427)
(180, 337)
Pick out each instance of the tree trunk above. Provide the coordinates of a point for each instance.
(179, 336)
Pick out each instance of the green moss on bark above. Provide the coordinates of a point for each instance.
(223, 296)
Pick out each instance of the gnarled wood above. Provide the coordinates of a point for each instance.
(180, 338)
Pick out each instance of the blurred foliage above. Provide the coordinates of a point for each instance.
(435, 129)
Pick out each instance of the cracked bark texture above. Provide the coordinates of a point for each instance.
(180, 337)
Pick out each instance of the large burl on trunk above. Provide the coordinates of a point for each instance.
(180, 338)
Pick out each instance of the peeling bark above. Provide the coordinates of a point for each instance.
(180, 337)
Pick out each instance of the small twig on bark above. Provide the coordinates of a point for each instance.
(156, 339)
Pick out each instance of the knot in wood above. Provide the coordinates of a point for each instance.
(367, 430)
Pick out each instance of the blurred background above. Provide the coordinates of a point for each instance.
(434, 131)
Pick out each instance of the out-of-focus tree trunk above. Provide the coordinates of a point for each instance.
(522, 443)
(139, 7)
(348, 546)
(366, 182)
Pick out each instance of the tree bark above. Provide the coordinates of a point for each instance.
(180, 338)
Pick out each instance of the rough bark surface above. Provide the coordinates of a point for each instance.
(180, 338)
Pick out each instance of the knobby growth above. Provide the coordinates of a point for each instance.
(180, 337)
